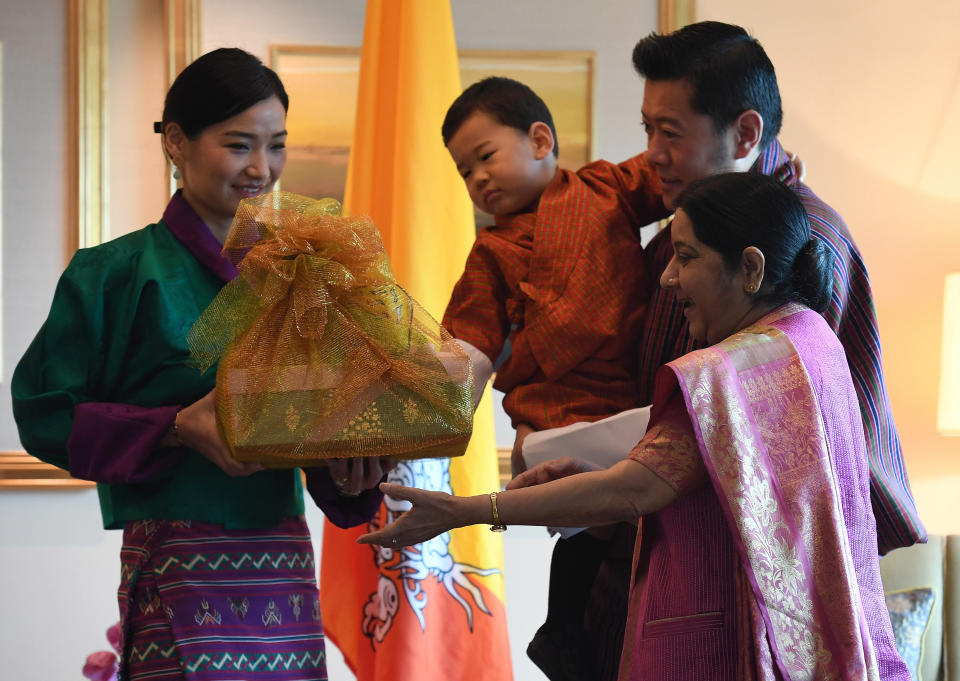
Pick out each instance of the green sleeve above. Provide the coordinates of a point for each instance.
(60, 368)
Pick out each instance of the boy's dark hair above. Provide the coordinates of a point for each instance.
(507, 101)
(218, 85)
(726, 67)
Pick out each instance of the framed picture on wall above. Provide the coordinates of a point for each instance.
(321, 125)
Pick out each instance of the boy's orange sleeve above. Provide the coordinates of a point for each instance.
(635, 182)
(477, 310)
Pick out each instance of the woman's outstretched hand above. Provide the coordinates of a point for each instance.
(197, 426)
(551, 470)
(432, 513)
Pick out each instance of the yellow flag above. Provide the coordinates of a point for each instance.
(434, 610)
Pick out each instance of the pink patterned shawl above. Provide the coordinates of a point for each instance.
(772, 414)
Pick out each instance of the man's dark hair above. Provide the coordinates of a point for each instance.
(726, 67)
(507, 101)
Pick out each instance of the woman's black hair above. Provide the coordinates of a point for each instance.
(218, 85)
(732, 211)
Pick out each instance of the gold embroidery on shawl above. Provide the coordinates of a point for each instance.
(779, 573)
(774, 383)
(785, 584)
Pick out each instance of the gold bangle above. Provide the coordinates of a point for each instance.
(497, 525)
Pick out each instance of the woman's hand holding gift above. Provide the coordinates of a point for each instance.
(195, 427)
(354, 475)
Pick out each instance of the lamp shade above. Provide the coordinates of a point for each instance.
(948, 417)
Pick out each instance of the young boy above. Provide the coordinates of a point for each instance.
(562, 275)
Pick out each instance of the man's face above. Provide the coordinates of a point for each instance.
(682, 145)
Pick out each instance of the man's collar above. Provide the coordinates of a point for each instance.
(774, 161)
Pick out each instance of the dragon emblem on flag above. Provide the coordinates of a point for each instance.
(405, 569)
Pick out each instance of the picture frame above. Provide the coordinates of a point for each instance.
(88, 199)
(321, 125)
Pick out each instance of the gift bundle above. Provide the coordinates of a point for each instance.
(321, 353)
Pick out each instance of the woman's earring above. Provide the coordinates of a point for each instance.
(751, 288)
(177, 162)
(176, 172)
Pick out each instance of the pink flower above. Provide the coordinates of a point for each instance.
(102, 665)
(113, 636)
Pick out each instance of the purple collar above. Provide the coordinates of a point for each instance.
(196, 237)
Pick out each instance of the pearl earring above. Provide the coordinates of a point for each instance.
(751, 288)
(177, 161)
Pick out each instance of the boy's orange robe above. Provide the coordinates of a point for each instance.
(568, 285)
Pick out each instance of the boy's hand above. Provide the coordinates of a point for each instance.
(517, 464)
(551, 470)
(799, 167)
(352, 476)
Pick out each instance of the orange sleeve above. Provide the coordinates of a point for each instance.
(635, 182)
(477, 311)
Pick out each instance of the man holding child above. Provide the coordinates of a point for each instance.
(711, 105)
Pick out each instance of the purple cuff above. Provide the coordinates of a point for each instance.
(340, 510)
(116, 443)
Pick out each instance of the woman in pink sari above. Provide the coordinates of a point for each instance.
(757, 552)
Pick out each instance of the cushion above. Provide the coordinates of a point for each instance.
(923, 565)
(910, 616)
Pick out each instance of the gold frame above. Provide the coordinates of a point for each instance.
(675, 14)
(19, 470)
(88, 173)
(88, 208)
(88, 50)
(183, 31)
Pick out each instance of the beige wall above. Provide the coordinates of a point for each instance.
(872, 103)
(34, 175)
(139, 186)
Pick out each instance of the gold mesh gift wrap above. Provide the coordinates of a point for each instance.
(321, 354)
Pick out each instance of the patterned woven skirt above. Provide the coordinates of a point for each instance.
(201, 602)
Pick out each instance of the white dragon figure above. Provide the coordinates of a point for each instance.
(409, 566)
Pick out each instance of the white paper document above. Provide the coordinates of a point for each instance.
(603, 442)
